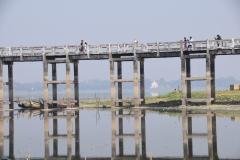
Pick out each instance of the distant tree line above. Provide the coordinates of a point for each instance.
(96, 84)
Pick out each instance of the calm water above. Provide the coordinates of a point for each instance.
(130, 134)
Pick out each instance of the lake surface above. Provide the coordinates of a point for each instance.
(119, 134)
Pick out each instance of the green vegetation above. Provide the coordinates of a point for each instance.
(221, 96)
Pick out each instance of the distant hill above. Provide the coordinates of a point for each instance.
(96, 84)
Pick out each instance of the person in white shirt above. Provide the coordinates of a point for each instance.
(190, 44)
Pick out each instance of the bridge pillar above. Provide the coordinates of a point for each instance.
(142, 82)
(119, 74)
(54, 85)
(76, 85)
(135, 81)
(45, 84)
(213, 93)
(1, 86)
(183, 78)
(208, 79)
(68, 85)
(112, 81)
(1, 134)
(188, 74)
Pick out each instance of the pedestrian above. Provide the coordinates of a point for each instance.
(185, 43)
(218, 38)
(81, 49)
(135, 41)
(85, 46)
(190, 42)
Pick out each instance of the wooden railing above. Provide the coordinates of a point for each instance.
(125, 48)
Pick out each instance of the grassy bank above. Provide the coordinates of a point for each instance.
(223, 96)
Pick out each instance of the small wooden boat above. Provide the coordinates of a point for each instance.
(30, 104)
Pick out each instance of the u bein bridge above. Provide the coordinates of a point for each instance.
(135, 52)
(118, 138)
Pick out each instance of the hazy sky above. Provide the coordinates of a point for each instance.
(59, 22)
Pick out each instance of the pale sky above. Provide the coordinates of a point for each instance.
(60, 22)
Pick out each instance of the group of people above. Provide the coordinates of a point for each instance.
(83, 46)
(188, 43)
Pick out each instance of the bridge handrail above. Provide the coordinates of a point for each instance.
(122, 48)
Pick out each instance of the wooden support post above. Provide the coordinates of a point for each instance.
(113, 134)
(184, 133)
(188, 74)
(135, 81)
(54, 85)
(142, 82)
(136, 128)
(77, 136)
(45, 85)
(213, 94)
(208, 79)
(190, 143)
(69, 135)
(183, 81)
(76, 86)
(68, 85)
(143, 133)
(120, 125)
(55, 133)
(1, 86)
(46, 134)
(119, 74)
(112, 83)
(1, 134)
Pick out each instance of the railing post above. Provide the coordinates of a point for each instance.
(88, 52)
(233, 44)
(158, 49)
(10, 51)
(21, 53)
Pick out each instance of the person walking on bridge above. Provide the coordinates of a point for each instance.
(190, 43)
(218, 38)
(185, 43)
(81, 49)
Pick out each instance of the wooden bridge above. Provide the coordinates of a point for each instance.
(135, 52)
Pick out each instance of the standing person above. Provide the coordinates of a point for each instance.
(218, 38)
(190, 42)
(185, 43)
(135, 41)
(85, 46)
(81, 49)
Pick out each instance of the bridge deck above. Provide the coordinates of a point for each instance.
(104, 51)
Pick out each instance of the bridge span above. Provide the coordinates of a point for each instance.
(136, 52)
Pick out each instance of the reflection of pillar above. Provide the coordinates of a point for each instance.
(54, 85)
(214, 138)
(190, 147)
(143, 132)
(69, 135)
(1, 134)
(120, 123)
(185, 139)
(55, 133)
(11, 135)
(135, 81)
(77, 135)
(142, 81)
(76, 86)
(46, 132)
(119, 74)
(136, 128)
(113, 133)
(10, 84)
(68, 85)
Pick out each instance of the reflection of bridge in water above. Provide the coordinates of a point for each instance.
(118, 135)
(118, 53)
